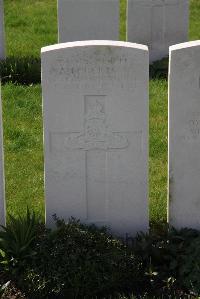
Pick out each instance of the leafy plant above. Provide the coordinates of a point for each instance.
(16, 240)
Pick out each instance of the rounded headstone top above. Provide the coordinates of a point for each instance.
(94, 43)
(181, 46)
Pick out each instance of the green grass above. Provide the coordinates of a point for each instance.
(123, 4)
(22, 122)
(194, 29)
(158, 150)
(31, 24)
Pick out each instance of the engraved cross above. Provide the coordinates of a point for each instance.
(97, 140)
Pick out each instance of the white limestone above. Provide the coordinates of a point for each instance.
(158, 24)
(95, 103)
(2, 188)
(88, 20)
(184, 135)
(2, 42)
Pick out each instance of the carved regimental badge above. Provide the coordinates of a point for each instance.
(96, 134)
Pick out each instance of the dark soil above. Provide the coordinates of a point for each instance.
(10, 290)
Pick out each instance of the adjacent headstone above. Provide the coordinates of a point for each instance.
(158, 24)
(2, 189)
(184, 135)
(2, 42)
(95, 103)
(80, 20)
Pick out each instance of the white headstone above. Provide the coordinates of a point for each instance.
(80, 20)
(2, 189)
(184, 135)
(158, 24)
(95, 102)
(2, 42)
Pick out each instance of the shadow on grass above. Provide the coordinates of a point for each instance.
(23, 70)
(27, 70)
(159, 69)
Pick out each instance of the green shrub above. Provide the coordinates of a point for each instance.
(164, 252)
(16, 241)
(79, 261)
(190, 267)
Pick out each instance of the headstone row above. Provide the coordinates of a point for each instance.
(95, 103)
(95, 99)
(156, 23)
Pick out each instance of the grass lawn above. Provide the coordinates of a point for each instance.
(31, 24)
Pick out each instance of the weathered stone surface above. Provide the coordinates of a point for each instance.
(158, 24)
(2, 188)
(2, 42)
(184, 135)
(95, 100)
(80, 20)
